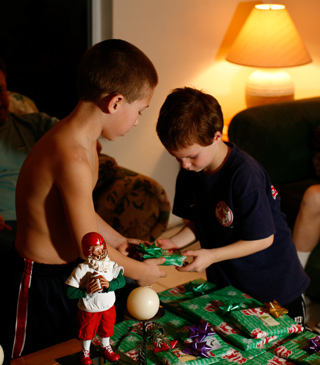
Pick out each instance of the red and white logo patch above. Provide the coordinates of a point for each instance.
(274, 192)
(224, 214)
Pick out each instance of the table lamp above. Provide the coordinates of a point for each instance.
(269, 41)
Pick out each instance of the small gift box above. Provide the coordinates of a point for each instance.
(173, 257)
(235, 355)
(259, 323)
(216, 307)
(303, 349)
(171, 298)
(269, 359)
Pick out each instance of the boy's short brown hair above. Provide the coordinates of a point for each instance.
(115, 66)
(188, 116)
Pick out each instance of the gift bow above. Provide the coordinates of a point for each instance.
(150, 252)
(163, 346)
(193, 288)
(275, 309)
(198, 333)
(229, 306)
(197, 348)
(313, 344)
(201, 331)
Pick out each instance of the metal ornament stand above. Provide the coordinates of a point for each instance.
(146, 333)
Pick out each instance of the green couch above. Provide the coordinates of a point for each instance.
(280, 136)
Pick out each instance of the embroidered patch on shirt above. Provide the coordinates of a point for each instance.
(274, 192)
(224, 214)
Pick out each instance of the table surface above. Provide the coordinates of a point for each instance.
(47, 356)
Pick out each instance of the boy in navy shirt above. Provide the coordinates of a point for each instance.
(230, 206)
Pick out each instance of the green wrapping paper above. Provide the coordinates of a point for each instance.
(269, 359)
(171, 298)
(125, 339)
(258, 323)
(173, 257)
(294, 350)
(237, 356)
(212, 308)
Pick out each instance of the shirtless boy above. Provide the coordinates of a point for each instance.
(54, 198)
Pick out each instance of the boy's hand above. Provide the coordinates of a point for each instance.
(129, 247)
(201, 260)
(166, 244)
(152, 271)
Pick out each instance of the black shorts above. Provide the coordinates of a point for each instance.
(37, 312)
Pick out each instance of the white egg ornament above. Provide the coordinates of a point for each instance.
(143, 303)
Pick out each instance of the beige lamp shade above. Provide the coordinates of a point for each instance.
(269, 39)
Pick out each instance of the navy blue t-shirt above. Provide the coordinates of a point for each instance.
(236, 203)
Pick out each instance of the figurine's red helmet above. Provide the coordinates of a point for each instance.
(91, 239)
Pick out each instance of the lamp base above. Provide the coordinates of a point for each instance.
(268, 86)
(262, 100)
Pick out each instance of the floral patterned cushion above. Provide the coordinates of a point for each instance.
(20, 104)
(133, 204)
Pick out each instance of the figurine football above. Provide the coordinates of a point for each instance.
(94, 283)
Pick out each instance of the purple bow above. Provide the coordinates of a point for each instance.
(313, 344)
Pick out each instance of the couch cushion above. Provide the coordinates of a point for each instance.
(279, 137)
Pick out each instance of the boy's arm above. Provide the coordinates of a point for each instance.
(75, 185)
(145, 273)
(183, 238)
(203, 258)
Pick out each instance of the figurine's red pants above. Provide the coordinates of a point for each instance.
(100, 323)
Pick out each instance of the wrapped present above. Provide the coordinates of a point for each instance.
(303, 349)
(237, 356)
(171, 298)
(173, 257)
(259, 323)
(216, 307)
(269, 359)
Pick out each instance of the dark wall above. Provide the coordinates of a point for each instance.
(42, 42)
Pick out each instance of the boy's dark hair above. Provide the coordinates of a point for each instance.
(188, 116)
(115, 66)
(3, 67)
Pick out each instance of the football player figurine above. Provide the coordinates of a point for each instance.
(94, 283)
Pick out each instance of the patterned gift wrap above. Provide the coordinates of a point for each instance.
(269, 359)
(258, 323)
(295, 350)
(208, 307)
(173, 257)
(171, 298)
(237, 356)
